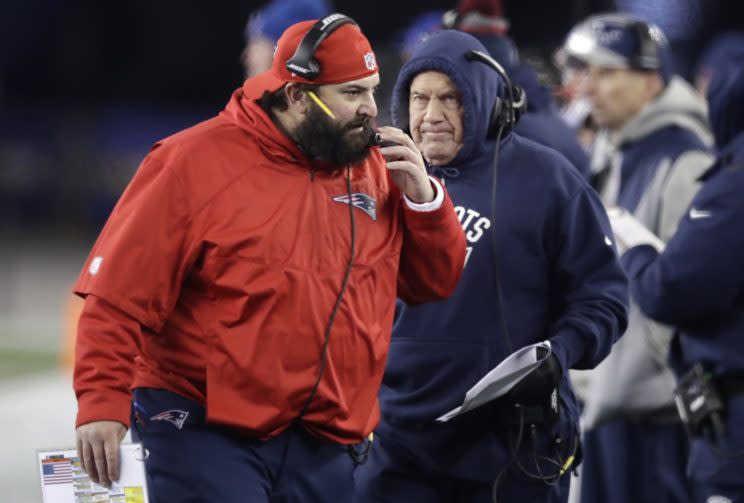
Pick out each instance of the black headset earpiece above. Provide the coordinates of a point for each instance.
(303, 61)
(506, 112)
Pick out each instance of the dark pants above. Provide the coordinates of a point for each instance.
(716, 465)
(389, 477)
(190, 461)
(630, 461)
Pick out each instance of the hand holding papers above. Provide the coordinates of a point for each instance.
(64, 481)
(501, 379)
(629, 232)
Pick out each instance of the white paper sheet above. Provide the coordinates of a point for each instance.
(500, 379)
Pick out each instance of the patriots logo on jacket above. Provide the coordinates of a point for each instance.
(175, 416)
(364, 202)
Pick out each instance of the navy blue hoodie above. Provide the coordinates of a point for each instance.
(557, 268)
(697, 283)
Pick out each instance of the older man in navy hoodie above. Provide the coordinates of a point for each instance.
(552, 276)
(697, 285)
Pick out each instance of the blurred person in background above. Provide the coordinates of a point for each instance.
(574, 106)
(723, 48)
(541, 122)
(265, 26)
(418, 30)
(239, 300)
(540, 267)
(696, 284)
(653, 143)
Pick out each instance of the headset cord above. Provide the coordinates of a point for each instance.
(494, 246)
(329, 325)
(513, 455)
(562, 467)
(550, 480)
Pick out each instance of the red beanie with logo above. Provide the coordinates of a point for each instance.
(344, 55)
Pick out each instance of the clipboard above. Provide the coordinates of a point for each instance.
(500, 379)
(63, 480)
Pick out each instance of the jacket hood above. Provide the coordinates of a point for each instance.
(726, 101)
(244, 110)
(677, 105)
(477, 83)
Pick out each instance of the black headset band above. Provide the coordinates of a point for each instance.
(301, 61)
(515, 98)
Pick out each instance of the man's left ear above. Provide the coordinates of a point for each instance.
(296, 97)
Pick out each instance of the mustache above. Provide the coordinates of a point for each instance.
(366, 123)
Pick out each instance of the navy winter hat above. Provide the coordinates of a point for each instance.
(617, 41)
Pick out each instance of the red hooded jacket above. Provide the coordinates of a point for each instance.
(218, 270)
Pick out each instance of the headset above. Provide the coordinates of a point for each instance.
(303, 60)
(506, 112)
(504, 116)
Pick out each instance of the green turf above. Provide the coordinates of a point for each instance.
(18, 362)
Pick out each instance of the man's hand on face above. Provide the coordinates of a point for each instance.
(406, 165)
(98, 448)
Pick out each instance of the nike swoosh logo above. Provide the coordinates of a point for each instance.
(696, 214)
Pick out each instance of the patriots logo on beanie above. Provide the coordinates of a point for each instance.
(370, 61)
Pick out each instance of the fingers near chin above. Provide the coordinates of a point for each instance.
(399, 166)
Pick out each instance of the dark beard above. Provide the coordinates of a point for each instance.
(325, 140)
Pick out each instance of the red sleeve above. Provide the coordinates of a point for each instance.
(433, 255)
(106, 344)
(143, 253)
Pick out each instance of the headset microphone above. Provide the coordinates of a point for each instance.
(376, 141)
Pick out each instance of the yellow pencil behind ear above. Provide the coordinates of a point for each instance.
(322, 105)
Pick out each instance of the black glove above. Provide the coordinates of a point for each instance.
(537, 386)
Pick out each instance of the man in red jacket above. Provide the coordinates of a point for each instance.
(239, 300)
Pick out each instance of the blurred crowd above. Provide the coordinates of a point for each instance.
(63, 166)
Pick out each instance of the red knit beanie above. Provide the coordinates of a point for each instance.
(344, 55)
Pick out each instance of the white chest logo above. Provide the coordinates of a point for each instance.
(95, 265)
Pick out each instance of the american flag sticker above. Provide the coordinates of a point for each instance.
(56, 470)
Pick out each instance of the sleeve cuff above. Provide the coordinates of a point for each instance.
(108, 405)
(637, 258)
(432, 205)
(567, 345)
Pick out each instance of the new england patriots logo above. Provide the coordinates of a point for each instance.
(175, 416)
(364, 202)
